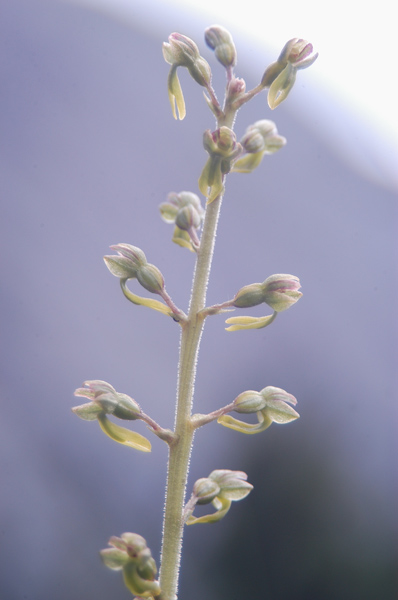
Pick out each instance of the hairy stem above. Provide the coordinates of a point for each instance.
(180, 450)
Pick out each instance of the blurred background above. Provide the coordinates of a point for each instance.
(89, 149)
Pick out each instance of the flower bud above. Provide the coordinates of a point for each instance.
(225, 139)
(249, 295)
(249, 402)
(151, 278)
(252, 141)
(188, 218)
(281, 291)
(220, 40)
(200, 71)
(205, 490)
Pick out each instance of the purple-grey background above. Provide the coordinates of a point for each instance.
(88, 150)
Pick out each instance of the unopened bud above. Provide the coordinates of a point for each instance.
(151, 278)
(225, 140)
(205, 490)
(220, 40)
(187, 218)
(249, 295)
(249, 402)
(235, 88)
(281, 291)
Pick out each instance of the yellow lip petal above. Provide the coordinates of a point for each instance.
(240, 323)
(124, 436)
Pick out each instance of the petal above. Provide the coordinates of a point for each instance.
(149, 302)
(263, 423)
(240, 323)
(124, 436)
(280, 412)
(281, 87)
(176, 96)
(224, 505)
(248, 163)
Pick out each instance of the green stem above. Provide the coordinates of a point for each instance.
(180, 449)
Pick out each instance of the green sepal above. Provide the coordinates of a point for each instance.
(280, 412)
(113, 558)
(168, 212)
(88, 412)
(240, 323)
(124, 436)
(248, 163)
(264, 421)
(222, 506)
(182, 238)
(120, 266)
(176, 96)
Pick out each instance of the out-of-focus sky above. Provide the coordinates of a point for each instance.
(356, 43)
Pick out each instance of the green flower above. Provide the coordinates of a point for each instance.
(105, 400)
